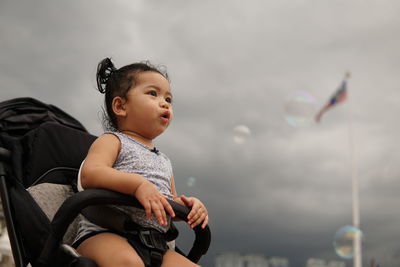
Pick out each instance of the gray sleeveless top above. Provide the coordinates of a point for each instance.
(135, 157)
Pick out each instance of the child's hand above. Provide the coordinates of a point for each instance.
(198, 213)
(153, 202)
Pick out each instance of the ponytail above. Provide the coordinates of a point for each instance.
(105, 70)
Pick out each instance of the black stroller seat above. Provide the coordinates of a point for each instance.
(41, 149)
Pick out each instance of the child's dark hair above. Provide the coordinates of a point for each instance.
(116, 82)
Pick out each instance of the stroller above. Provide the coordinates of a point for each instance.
(41, 149)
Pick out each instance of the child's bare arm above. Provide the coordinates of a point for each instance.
(97, 172)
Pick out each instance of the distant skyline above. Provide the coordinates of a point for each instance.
(284, 190)
(236, 259)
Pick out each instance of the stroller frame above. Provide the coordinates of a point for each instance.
(46, 247)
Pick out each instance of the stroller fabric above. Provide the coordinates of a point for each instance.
(50, 197)
(47, 145)
(20, 115)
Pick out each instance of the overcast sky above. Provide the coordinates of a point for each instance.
(285, 190)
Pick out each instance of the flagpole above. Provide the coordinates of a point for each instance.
(357, 258)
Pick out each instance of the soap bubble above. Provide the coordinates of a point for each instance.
(240, 134)
(191, 181)
(343, 241)
(300, 109)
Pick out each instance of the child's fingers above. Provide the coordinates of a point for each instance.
(193, 213)
(198, 213)
(187, 201)
(198, 217)
(168, 207)
(205, 222)
(196, 209)
(196, 222)
(147, 209)
(163, 214)
(159, 212)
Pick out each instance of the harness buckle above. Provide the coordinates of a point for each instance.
(146, 238)
(153, 239)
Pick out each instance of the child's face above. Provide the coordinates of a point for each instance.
(148, 105)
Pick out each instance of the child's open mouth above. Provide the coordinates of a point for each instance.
(166, 116)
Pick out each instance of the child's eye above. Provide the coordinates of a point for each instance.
(152, 92)
(169, 100)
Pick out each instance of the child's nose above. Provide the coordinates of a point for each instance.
(164, 104)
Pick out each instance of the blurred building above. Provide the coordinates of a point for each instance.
(336, 264)
(254, 260)
(314, 262)
(229, 259)
(278, 262)
(234, 259)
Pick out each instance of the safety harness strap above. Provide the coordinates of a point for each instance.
(149, 244)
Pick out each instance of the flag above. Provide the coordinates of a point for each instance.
(338, 97)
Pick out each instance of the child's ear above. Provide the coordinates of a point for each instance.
(118, 106)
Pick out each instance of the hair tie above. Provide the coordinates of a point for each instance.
(105, 70)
